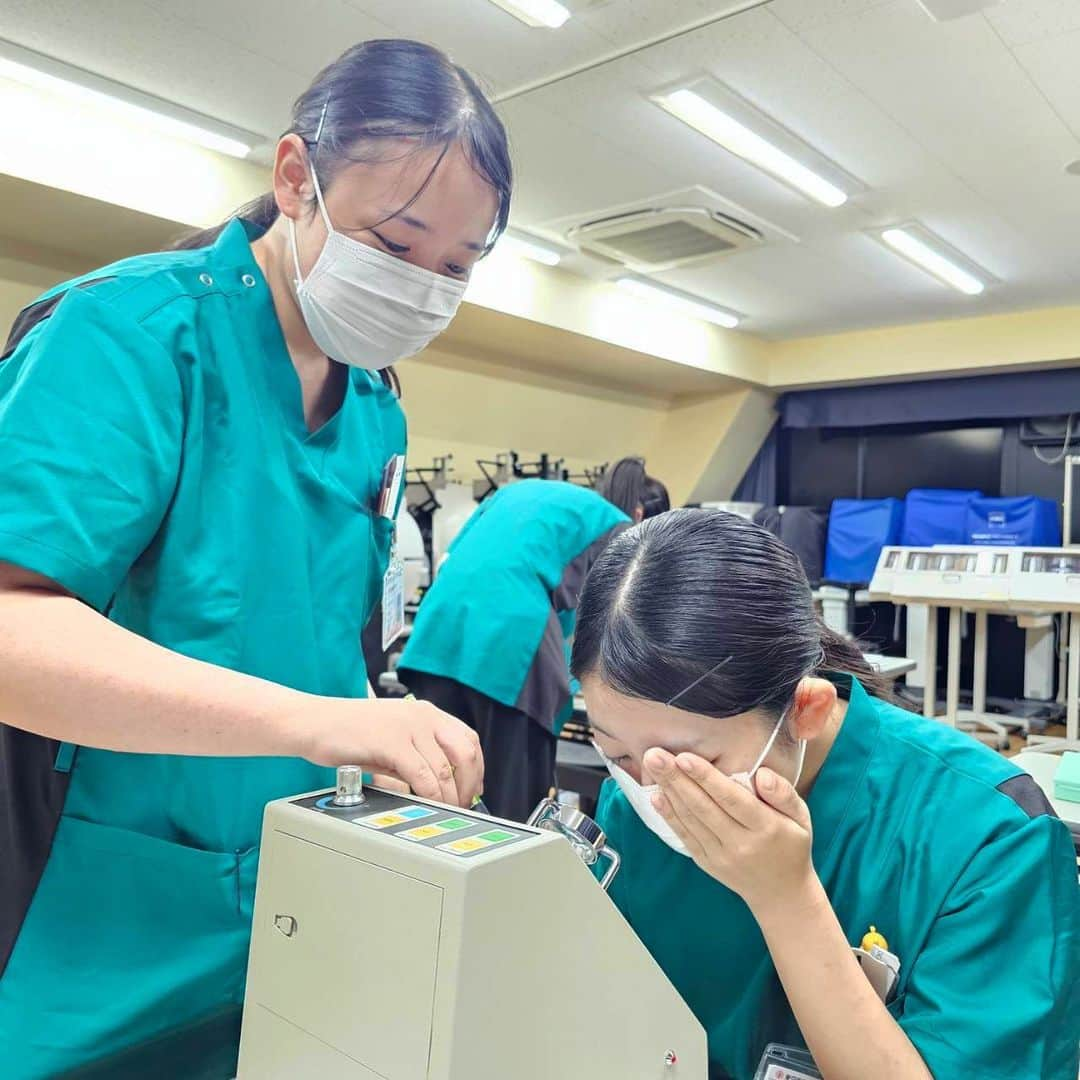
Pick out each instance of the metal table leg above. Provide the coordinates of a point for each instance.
(930, 663)
(978, 717)
(952, 674)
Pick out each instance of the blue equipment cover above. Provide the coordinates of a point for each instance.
(1021, 521)
(858, 530)
(936, 516)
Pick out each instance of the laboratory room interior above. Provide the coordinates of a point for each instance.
(540, 539)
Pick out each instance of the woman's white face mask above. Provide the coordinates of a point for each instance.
(640, 795)
(365, 307)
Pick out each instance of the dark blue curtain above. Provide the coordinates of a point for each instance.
(759, 481)
(981, 397)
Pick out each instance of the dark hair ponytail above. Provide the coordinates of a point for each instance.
(844, 656)
(384, 90)
(674, 597)
(627, 486)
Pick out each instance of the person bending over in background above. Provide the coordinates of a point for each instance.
(491, 639)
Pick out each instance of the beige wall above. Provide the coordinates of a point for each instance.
(704, 446)
(14, 296)
(475, 410)
(26, 271)
(1039, 338)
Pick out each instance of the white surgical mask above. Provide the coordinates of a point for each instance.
(640, 796)
(365, 307)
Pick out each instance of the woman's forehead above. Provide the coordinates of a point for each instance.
(634, 721)
(442, 190)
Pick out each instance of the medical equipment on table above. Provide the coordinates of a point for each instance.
(1027, 582)
(402, 939)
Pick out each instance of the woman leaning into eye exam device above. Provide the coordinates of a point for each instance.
(833, 884)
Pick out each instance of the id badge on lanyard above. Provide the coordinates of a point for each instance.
(786, 1063)
(393, 587)
(393, 600)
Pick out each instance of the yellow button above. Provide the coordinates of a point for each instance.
(469, 843)
(424, 832)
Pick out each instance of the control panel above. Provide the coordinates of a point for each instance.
(458, 833)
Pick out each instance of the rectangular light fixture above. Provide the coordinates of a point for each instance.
(688, 305)
(549, 14)
(529, 248)
(905, 242)
(43, 73)
(720, 125)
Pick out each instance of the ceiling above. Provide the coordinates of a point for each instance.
(965, 125)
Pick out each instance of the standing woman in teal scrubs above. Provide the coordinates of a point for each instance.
(192, 448)
(491, 640)
(796, 811)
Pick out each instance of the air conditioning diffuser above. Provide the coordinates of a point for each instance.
(664, 237)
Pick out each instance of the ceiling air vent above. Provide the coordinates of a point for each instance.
(662, 238)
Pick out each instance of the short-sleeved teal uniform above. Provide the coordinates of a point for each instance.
(942, 845)
(154, 461)
(507, 595)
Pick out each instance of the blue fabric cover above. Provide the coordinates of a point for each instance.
(1021, 521)
(858, 530)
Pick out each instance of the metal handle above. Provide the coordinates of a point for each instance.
(584, 835)
(616, 861)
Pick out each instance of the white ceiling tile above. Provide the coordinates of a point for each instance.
(940, 80)
(627, 22)
(141, 45)
(1022, 21)
(808, 14)
(587, 171)
(1052, 63)
(496, 47)
(303, 38)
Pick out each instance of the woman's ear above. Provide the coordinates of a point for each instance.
(292, 179)
(815, 701)
(639, 514)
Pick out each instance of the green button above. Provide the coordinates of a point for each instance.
(496, 836)
(452, 824)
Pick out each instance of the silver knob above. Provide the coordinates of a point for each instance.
(350, 786)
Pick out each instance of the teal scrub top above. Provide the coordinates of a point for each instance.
(924, 833)
(157, 465)
(513, 575)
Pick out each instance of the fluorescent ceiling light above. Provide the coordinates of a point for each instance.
(530, 248)
(933, 262)
(722, 128)
(43, 73)
(689, 305)
(547, 13)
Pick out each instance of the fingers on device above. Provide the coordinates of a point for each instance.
(400, 939)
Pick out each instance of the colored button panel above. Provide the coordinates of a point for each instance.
(438, 828)
(466, 845)
(396, 817)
